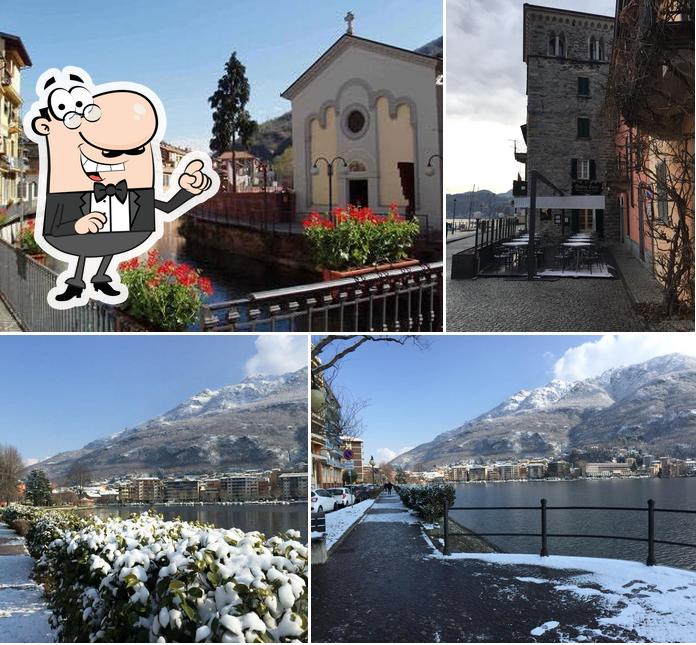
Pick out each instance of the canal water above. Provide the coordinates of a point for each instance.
(270, 519)
(232, 276)
(667, 493)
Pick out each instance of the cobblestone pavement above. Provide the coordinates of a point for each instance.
(380, 585)
(500, 304)
(7, 321)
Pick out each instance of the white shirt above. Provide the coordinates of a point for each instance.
(117, 214)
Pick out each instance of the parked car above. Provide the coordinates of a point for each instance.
(343, 496)
(361, 493)
(322, 501)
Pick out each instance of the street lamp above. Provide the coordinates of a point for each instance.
(429, 168)
(372, 465)
(263, 167)
(329, 173)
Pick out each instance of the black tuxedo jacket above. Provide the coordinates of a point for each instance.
(64, 209)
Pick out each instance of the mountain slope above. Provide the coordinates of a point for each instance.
(258, 423)
(651, 404)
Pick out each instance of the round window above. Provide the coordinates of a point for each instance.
(356, 121)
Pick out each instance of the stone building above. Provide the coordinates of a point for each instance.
(379, 108)
(568, 135)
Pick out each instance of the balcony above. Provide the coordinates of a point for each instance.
(617, 174)
(519, 188)
(652, 75)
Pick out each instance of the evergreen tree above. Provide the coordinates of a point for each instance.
(232, 124)
(38, 489)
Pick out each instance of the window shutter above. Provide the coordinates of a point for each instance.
(593, 169)
(574, 168)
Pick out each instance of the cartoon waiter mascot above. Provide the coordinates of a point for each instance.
(100, 179)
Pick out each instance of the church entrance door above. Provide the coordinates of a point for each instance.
(357, 192)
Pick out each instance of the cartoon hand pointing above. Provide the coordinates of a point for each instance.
(193, 179)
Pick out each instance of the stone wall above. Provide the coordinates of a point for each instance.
(553, 104)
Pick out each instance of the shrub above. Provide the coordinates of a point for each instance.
(357, 237)
(428, 500)
(147, 579)
(26, 239)
(164, 294)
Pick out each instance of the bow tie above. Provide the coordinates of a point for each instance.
(120, 190)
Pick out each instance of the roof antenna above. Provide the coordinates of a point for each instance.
(349, 22)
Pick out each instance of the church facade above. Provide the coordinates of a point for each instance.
(375, 111)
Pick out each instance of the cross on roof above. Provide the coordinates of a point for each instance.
(349, 21)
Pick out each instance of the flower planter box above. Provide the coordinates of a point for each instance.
(38, 257)
(330, 274)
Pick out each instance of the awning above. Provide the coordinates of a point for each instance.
(563, 201)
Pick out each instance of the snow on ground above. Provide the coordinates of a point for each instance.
(23, 611)
(404, 518)
(23, 615)
(393, 503)
(338, 522)
(542, 629)
(657, 602)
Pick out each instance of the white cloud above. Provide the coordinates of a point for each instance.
(277, 354)
(592, 358)
(387, 454)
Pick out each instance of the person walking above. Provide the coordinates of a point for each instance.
(389, 487)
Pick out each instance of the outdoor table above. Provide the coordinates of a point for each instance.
(577, 245)
(516, 243)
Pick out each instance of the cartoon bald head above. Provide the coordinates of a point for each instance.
(97, 137)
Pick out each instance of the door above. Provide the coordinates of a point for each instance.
(585, 220)
(357, 192)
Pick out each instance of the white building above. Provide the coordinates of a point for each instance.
(379, 108)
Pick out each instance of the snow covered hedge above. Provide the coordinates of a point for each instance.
(147, 579)
(428, 500)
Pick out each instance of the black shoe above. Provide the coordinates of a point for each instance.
(105, 288)
(70, 292)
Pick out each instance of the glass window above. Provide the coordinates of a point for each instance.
(583, 128)
(583, 169)
(356, 121)
(662, 202)
(583, 86)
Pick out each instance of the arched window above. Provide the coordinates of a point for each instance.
(556, 45)
(596, 47)
(357, 166)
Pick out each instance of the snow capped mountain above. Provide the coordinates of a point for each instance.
(648, 404)
(258, 423)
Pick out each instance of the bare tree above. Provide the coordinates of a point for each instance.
(10, 467)
(348, 343)
(667, 170)
(79, 476)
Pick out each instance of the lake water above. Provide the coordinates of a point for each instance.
(267, 518)
(667, 493)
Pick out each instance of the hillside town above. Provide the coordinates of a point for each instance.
(644, 465)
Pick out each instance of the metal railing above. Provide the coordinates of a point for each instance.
(24, 284)
(408, 299)
(544, 534)
(318, 523)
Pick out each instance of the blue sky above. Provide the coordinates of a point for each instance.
(60, 392)
(416, 394)
(179, 48)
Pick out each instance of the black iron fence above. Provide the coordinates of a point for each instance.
(318, 523)
(24, 283)
(488, 234)
(408, 299)
(544, 534)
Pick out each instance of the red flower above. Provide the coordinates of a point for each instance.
(152, 258)
(206, 286)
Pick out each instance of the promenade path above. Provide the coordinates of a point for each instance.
(23, 610)
(386, 583)
(7, 321)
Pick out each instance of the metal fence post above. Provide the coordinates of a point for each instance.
(445, 528)
(651, 532)
(544, 539)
